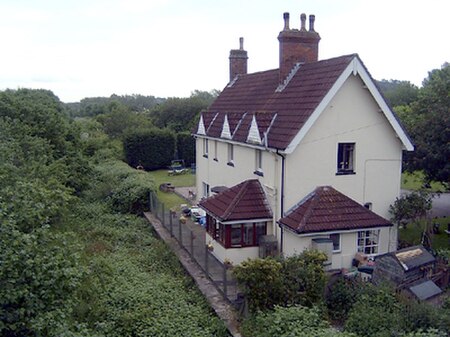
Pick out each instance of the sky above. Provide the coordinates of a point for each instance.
(169, 48)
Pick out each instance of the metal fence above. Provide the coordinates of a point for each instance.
(191, 236)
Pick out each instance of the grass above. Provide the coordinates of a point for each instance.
(415, 181)
(413, 233)
(171, 200)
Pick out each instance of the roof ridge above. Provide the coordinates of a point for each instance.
(315, 199)
(236, 199)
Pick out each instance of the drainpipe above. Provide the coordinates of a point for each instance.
(283, 158)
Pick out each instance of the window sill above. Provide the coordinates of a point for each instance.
(215, 159)
(259, 173)
(345, 173)
(230, 164)
(336, 251)
(205, 156)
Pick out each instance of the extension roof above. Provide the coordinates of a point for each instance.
(284, 113)
(326, 209)
(245, 201)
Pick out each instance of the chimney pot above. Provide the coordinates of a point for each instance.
(303, 22)
(311, 22)
(241, 43)
(286, 21)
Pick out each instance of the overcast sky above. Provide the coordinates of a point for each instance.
(166, 48)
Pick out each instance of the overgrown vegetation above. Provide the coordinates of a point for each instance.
(75, 258)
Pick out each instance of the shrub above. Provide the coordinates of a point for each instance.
(303, 278)
(295, 321)
(153, 149)
(376, 312)
(341, 296)
(261, 282)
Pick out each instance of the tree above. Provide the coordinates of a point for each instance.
(398, 93)
(431, 129)
(411, 207)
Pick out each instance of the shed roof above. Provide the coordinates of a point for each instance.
(245, 201)
(413, 257)
(326, 209)
(425, 290)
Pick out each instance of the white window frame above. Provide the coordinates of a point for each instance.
(205, 147)
(346, 158)
(206, 189)
(231, 154)
(215, 150)
(368, 241)
(258, 160)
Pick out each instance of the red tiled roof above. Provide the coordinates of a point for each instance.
(326, 209)
(244, 201)
(255, 94)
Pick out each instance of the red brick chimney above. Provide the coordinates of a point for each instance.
(297, 45)
(238, 60)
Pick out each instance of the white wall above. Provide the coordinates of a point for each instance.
(352, 116)
(295, 244)
(235, 255)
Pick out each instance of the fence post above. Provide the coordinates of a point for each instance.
(192, 243)
(179, 233)
(163, 214)
(171, 225)
(206, 260)
(225, 280)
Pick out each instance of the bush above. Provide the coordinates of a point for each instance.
(295, 321)
(341, 296)
(376, 312)
(153, 149)
(261, 282)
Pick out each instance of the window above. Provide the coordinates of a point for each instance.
(336, 238)
(258, 163)
(230, 155)
(215, 151)
(205, 190)
(346, 158)
(368, 242)
(242, 235)
(205, 147)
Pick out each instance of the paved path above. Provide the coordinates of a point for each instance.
(221, 306)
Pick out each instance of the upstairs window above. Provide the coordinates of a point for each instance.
(230, 155)
(205, 147)
(346, 158)
(215, 151)
(258, 163)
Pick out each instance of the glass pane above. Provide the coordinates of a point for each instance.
(248, 234)
(236, 235)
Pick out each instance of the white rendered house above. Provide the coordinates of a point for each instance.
(309, 154)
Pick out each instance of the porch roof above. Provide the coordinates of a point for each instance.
(326, 209)
(244, 201)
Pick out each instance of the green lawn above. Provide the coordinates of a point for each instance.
(415, 181)
(413, 234)
(171, 200)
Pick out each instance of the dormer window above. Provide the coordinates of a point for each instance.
(346, 158)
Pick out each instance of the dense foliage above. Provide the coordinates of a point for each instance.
(74, 261)
(294, 321)
(152, 149)
(426, 114)
(186, 147)
(410, 207)
(299, 279)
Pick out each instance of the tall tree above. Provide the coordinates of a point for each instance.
(431, 128)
